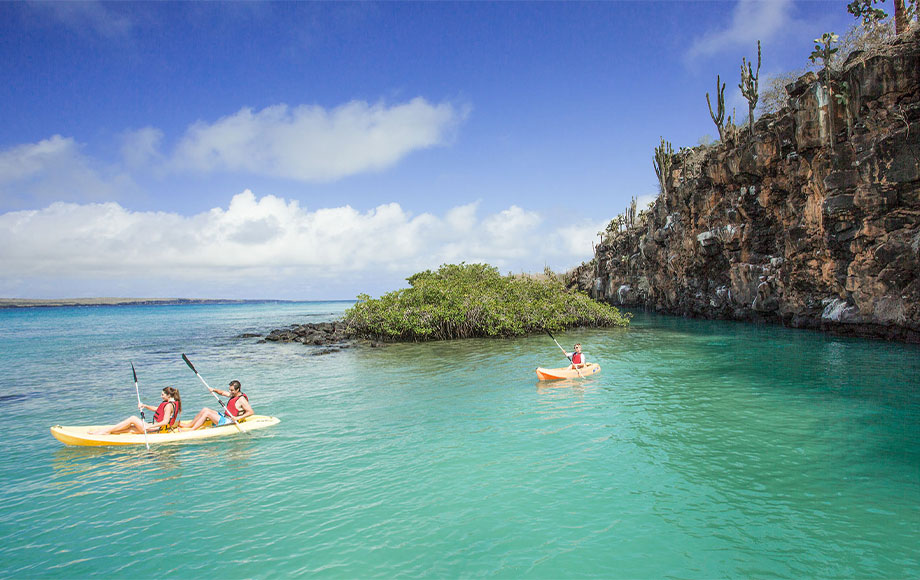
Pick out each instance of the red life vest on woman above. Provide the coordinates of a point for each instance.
(161, 412)
(231, 404)
(578, 358)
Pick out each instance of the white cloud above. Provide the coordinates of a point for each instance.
(751, 20)
(25, 161)
(305, 143)
(643, 201)
(55, 169)
(141, 148)
(309, 143)
(89, 17)
(576, 238)
(267, 240)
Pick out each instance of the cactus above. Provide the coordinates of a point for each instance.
(662, 163)
(825, 53)
(904, 12)
(749, 85)
(720, 107)
(730, 129)
(864, 9)
(843, 99)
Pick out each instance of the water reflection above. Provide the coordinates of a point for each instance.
(117, 465)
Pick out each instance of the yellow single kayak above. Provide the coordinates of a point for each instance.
(567, 372)
(79, 434)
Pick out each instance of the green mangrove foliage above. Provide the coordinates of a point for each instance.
(474, 300)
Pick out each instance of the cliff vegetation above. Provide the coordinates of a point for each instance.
(809, 216)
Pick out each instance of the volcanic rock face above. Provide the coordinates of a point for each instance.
(812, 221)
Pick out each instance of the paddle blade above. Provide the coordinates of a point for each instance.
(550, 334)
(135, 373)
(189, 363)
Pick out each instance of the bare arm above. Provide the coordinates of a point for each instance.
(247, 408)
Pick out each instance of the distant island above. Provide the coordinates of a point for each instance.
(55, 302)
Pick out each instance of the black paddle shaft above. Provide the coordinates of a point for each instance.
(222, 406)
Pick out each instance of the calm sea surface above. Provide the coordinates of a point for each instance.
(702, 450)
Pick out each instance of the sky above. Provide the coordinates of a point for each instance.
(313, 151)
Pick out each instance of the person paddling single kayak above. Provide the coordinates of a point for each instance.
(165, 416)
(238, 406)
(577, 357)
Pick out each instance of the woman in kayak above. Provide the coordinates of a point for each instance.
(165, 416)
(577, 357)
(238, 407)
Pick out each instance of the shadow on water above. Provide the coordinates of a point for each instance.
(7, 399)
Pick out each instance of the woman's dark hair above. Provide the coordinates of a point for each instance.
(174, 393)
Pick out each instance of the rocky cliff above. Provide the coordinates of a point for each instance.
(796, 223)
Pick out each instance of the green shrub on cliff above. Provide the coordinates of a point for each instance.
(471, 300)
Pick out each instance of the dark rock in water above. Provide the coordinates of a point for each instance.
(325, 351)
(331, 334)
(249, 335)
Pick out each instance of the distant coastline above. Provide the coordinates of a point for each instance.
(59, 302)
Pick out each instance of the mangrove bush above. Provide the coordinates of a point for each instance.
(474, 300)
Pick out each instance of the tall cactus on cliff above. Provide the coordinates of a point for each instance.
(825, 52)
(631, 215)
(749, 85)
(662, 163)
(719, 116)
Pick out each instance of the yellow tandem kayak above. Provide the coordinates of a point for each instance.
(79, 434)
(567, 372)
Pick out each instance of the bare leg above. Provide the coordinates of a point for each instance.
(202, 416)
(132, 424)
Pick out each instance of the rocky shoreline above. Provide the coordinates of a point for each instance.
(789, 223)
(333, 336)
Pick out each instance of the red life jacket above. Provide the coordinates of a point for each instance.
(578, 358)
(161, 412)
(231, 404)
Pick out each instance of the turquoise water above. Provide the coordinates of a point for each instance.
(702, 450)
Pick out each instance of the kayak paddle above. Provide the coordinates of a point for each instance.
(563, 352)
(226, 412)
(138, 393)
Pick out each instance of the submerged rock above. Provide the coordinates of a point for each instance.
(322, 333)
(333, 335)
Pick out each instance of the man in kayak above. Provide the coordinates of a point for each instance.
(577, 357)
(238, 406)
(165, 416)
